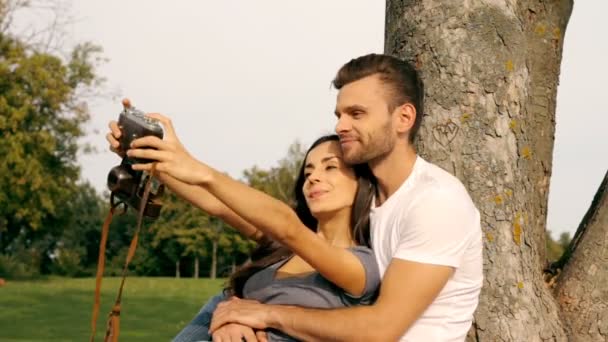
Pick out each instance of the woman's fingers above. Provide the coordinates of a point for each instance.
(114, 145)
(143, 167)
(261, 336)
(151, 154)
(113, 142)
(126, 103)
(165, 121)
(114, 129)
(149, 141)
(249, 335)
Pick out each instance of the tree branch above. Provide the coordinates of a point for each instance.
(598, 201)
(581, 287)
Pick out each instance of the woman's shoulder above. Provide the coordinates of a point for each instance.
(362, 251)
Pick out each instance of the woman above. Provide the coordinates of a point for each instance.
(326, 261)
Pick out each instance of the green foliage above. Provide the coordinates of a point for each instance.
(13, 268)
(50, 222)
(279, 180)
(67, 262)
(180, 223)
(42, 115)
(555, 249)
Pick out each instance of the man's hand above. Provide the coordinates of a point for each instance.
(234, 332)
(247, 312)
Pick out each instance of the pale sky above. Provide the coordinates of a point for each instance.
(242, 80)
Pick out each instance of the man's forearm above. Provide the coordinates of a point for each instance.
(361, 323)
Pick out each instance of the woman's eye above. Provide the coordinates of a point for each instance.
(329, 167)
(306, 175)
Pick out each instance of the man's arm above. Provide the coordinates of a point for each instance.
(408, 288)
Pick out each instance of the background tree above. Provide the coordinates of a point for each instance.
(176, 216)
(183, 231)
(491, 71)
(555, 249)
(74, 245)
(42, 115)
(279, 180)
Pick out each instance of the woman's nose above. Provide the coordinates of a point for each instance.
(314, 177)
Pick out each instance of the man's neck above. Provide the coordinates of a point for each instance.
(393, 169)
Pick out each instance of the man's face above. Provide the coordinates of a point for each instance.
(365, 125)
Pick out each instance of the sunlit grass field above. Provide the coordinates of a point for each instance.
(59, 309)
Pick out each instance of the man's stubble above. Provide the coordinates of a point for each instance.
(377, 145)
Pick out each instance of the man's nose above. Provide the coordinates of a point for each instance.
(343, 125)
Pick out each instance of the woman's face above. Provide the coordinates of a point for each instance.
(330, 184)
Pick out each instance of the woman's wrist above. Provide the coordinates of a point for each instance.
(205, 174)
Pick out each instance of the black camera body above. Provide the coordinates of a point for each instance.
(127, 185)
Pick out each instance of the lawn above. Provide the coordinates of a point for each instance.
(59, 309)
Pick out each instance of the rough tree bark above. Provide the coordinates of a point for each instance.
(581, 287)
(491, 70)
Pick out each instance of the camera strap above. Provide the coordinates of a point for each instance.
(113, 323)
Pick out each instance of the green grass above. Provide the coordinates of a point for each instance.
(59, 309)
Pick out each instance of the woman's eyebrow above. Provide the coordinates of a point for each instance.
(324, 160)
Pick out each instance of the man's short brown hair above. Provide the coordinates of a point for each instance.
(402, 79)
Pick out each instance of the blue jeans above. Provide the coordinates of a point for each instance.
(198, 328)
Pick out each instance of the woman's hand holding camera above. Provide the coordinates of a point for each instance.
(170, 155)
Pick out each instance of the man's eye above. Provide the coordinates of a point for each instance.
(329, 167)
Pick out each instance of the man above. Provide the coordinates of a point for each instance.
(425, 229)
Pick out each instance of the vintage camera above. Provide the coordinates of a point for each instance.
(127, 185)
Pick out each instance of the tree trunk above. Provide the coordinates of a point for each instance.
(491, 70)
(177, 269)
(581, 288)
(196, 261)
(214, 261)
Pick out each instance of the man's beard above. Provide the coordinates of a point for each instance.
(379, 143)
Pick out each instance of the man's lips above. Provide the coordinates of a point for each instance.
(347, 140)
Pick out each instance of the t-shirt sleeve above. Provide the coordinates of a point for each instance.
(438, 227)
(372, 277)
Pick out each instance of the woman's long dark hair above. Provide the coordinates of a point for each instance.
(269, 251)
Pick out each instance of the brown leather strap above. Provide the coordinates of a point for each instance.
(113, 324)
(101, 261)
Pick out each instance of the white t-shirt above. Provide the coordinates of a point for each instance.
(431, 219)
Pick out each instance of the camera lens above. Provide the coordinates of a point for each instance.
(120, 180)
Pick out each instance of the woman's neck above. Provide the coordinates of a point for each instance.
(335, 228)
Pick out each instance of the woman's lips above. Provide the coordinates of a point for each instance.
(316, 194)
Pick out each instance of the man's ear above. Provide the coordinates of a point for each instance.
(405, 117)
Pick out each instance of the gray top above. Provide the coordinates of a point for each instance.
(312, 290)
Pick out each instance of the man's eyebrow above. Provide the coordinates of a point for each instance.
(350, 109)
(324, 160)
